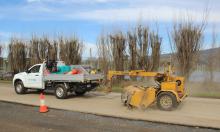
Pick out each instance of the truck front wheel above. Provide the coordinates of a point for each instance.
(60, 91)
(19, 88)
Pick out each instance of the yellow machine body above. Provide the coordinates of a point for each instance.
(143, 98)
(170, 89)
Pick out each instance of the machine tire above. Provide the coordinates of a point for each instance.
(128, 97)
(124, 98)
(19, 88)
(60, 91)
(166, 101)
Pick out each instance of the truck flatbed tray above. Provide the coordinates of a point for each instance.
(73, 78)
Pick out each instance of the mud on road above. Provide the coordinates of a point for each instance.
(22, 118)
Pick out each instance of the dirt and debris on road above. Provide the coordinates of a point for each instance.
(21, 118)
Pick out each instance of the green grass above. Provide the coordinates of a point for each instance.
(207, 95)
(117, 89)
(5, 81)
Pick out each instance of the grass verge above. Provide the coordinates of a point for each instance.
(207, 95)
(5, 81)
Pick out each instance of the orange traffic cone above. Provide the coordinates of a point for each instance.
(43, 107)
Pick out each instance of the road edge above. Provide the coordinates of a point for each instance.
(118, 117)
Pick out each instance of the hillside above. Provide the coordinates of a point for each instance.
(204, 56)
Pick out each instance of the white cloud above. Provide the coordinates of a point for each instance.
(148, 13)
(118, 10)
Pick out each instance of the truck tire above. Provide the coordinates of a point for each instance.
(19, 87)
(80, 93)
(60, 91)
(40, 90)
(166, 101)
(80, 90)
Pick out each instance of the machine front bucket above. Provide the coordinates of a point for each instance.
(139, 97)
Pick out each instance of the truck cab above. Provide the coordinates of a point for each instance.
(32, 78)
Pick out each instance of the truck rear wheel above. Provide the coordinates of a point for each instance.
(19, 88)
(60, 91)
(80, 92)
(166, 101)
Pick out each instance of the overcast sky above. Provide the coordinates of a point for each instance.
(88, 18)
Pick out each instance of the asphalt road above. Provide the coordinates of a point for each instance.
(191, 112)
(21, 118)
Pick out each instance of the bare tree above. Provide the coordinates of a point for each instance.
(38, 49)
(17, 55)
(143, 47)
(186, 42)
(155, 43)
(71, 50)
(132, 47)
(118, 47)
(1, 49)
(1, 59)
(104, 55)
(51, 48)
(34, 55)
(41, 48)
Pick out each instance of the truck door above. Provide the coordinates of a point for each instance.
(34, 77)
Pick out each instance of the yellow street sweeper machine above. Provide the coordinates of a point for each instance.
(168, 92)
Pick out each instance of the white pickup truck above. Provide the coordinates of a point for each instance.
(62, 84)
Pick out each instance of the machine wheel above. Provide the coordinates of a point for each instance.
(124, 98)
(60, 91)
(166, 101)
(19, 88)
